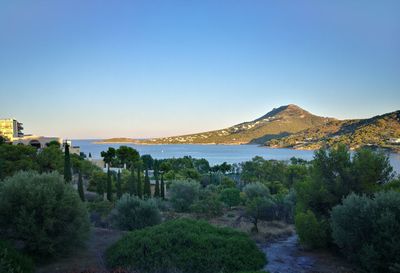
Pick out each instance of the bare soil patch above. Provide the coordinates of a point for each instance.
(89, 259)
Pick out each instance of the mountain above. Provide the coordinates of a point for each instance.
(382, 131)
(279, 122)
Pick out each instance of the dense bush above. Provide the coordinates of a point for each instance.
(230, 196)
(334, 174)
(43, 212)
(259, 208)
(132, 213)
(209, 207)
(183, 194)
(14, 158)
(284, 205)
(367, 230)
(101, 207)
(11, 261)
(312, 233)
(255, 190)
(186, 246)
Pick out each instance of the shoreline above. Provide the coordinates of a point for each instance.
(391, 150)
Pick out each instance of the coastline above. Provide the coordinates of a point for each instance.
(395, 150)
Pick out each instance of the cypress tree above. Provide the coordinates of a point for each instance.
(109, 186)
(80, 187)
(132, 185)
(100, 188)
(67, 165)
(147, 188)
(162, 187)
(119, 186)
(139, 183)
(157, 186)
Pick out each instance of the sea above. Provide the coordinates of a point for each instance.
(215, 154)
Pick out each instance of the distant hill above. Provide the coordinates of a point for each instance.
(117, 140)
(382, 131)
(279, 122)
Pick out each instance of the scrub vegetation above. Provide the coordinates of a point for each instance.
(187, 216)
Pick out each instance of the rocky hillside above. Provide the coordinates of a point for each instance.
(277, 123)
(382, 131)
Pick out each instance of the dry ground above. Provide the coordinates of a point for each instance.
(89, 259)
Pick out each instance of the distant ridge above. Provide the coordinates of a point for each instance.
(290, 126)
(277, 123)
(381, 131)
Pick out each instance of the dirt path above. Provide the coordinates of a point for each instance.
(90, 258)
(285, 256)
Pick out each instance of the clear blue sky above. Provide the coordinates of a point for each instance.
(88, 69)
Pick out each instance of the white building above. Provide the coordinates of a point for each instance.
(10, 128)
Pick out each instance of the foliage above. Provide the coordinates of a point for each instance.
(335, 174)
(208, 203)
(139, 185)
(367, 230)
(162, 188)
(51, 159)
(147, 187)
(148, 161)
(295, 173)
(183, 194)
(312, 232)
(108, 156)
(227, 182)
(14, 158)
(261, 170)
(126, 156)
(132, 183)
(67, 164)
(259, 208)
(109, 186)
(119, 185)
(255, 190)
(98, 182)
(392, 185)
(102, 207)
(11, 261)
(186, 246)
(261, 205)
(86, 167)
(230, 196)
(80, 187)
(132, 213)
(183, 168)
(42, 212)
(370, 169)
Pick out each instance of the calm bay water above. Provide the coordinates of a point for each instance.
(215, 154)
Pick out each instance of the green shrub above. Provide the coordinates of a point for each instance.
(11, 261)
(311, 232)
(367, 230)
(256, 190)
(227, 182)
(260, 208)
(183, 194)
(209, 206)
(132, 213)
(186, 246)
(230, 196)
(43, 212)
(102, 207)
